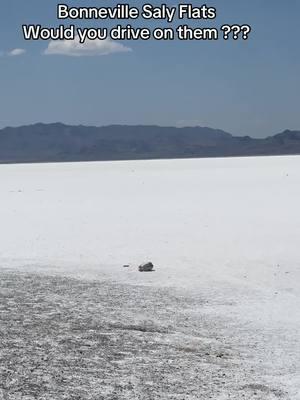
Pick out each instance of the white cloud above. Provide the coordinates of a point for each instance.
(16, 52)
(88, 48)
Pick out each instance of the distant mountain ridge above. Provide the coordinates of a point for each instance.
(59, 143)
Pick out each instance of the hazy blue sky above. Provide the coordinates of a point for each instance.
(250, 87)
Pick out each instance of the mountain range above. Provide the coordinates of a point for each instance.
(59, 143)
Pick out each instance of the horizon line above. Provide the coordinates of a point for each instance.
(143, 125)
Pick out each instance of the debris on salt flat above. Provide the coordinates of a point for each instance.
(146, 267)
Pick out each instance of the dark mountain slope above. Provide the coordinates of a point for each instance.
(59, 142)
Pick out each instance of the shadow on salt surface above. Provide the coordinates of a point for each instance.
(69, 338)
(262, 390)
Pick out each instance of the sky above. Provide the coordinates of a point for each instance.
(244, 87)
